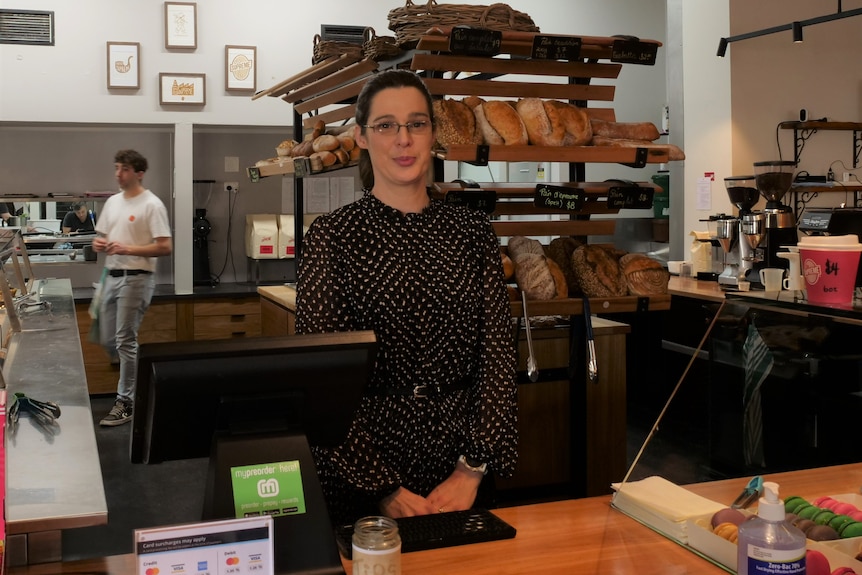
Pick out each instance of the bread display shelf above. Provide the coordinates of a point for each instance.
(287, 168)
(575, 306)
(636, 156)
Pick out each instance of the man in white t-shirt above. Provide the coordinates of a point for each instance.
(133, 230)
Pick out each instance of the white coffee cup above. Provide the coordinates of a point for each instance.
(793, 283)
(771, 278)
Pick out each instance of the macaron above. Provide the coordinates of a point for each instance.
(793, 502)
(821, 533)
(857, 515)
(844, 571)
(799, 507)
(824, 517)
(727, 515)
(809, 512)
(804, 525)
(839, 521)
(727, 531)
(853, 529)
(816, 563)
(843, 508)
(826, 502)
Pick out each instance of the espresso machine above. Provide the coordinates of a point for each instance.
(739, 236)
(773, 180)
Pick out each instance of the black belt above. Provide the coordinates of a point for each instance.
(121, 273)
(422, 391)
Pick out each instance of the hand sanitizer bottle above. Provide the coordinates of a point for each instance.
(767, 543)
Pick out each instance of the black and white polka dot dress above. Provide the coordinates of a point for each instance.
(431, 287)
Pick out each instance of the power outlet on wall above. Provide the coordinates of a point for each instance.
(231, 187)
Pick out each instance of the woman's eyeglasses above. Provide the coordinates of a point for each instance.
(417, 128)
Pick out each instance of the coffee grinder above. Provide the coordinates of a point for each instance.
(739, 236)
(773, 180)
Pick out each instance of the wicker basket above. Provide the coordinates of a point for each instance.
(324, 49)
(381, 47)
(411, 21)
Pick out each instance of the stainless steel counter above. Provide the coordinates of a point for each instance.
(53, 476)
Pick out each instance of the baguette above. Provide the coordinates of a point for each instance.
(625, 130)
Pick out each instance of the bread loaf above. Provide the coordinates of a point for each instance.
(456, 123)
(562, 289)
(508, 266)
(342, 156)
(304, 148)
(644, 275)
(560, 250)
(599, 273)
(325, 143)
(519, 245)
(346, 141)
(499, 123)
(625, 130)
(318, 130)
(543, 123)
(534, 277)
(327, 158)
(555, 123)
(473, 101)
(575, 120)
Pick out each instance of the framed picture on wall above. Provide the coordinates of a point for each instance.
(240, 68)
(181, 25)
(124, 65)
(183, 89)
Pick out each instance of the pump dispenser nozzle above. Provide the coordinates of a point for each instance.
(770, 507)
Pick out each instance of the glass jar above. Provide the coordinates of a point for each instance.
(376, 546)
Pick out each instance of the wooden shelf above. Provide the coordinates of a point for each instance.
(654, 154)
(575, 306)
(839, 126)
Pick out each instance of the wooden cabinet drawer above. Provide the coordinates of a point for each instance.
(227, 326)
(227, 306)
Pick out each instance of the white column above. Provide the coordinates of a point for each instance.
(700, 113)
(183, 198)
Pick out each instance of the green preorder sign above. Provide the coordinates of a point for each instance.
(268, 489)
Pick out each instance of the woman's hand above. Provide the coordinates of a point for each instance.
(457, 492)
(405, 503)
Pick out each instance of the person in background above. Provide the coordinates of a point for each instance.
(80, 219)
(440, 409)
(133, 231)
(5, 213)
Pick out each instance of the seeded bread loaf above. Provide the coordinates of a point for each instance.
(598, 270)
(560, 250)
(456, 123)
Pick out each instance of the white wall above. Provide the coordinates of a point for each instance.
(67, 82)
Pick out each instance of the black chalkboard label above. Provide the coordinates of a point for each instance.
(253, 174)
(547, 47)
(481, 200)
(629, 52)
(630, 197)
(558, 197)
(475, 41)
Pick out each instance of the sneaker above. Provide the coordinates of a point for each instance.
(119, 414)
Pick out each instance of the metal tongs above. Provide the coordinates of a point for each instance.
(592, 364)
(750, 494)
(45, 413)
(532, 368)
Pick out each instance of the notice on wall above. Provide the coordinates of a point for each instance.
(704, 193)
(317, 195)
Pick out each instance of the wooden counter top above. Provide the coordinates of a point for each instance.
(575, 536)
(284, 295)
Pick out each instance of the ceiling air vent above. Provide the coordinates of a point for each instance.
(34, 27)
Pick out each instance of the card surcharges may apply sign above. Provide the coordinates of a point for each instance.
(223, 547)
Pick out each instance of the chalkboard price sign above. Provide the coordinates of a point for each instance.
(558, 197)
(475, 41)
(482, 200)
(547, 47)
(634, 52)
(630, 197)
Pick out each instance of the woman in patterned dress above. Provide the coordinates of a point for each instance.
(440, 410)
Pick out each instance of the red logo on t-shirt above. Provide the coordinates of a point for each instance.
(132, 218)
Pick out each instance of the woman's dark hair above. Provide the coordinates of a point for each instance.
(382, 81)
(132, 159)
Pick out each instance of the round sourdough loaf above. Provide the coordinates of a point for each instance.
(543, 123)
(499, 123)
(644, 275)
(534, 277)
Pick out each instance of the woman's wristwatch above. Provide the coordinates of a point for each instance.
(473, 466)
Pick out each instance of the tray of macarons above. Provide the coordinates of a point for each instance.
(832, 525)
